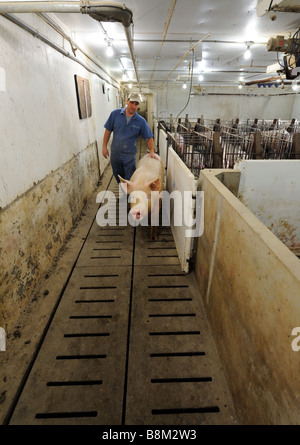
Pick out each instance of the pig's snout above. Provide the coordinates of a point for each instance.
(136, 214)
(139, 205)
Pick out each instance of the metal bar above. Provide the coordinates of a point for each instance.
(130, 45)
(27, 7)
(52, 6)
(111, 10)
(49, 42)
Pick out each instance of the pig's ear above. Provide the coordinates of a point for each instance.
(126, 185)
(154, 185)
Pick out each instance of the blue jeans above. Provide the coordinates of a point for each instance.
(124, 168)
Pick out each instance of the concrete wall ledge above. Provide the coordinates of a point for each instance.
(250, 283)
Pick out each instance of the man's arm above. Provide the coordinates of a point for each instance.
(151, 147)
(106, 137)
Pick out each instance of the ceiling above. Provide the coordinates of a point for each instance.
(164, 31)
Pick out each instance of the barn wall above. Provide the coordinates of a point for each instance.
(50, 158)
(296, 107)
(270, 189)
(249, 281)
(224, 103)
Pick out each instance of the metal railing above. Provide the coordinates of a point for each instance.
(218, 144)
(236, 147)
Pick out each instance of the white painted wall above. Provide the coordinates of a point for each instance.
(226, 104)
(296, 107)
(271, 190)
(40, 128)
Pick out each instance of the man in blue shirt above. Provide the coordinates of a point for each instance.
(127, 126)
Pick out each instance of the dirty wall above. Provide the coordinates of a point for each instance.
(50, 158)
(249, 282)
(296, 107)
(225, 103)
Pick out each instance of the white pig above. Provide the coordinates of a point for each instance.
(148, 177)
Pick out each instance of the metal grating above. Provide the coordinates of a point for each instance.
(175, 376)
(129, 344)
(76, 372)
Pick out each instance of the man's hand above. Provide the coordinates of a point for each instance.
(154, 155)
(150, 143)
(105, 152)
(106, 137)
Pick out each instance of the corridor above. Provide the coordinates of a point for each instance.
(129, 343)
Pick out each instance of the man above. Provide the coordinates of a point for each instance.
(127, 125)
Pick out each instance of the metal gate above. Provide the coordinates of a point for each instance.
(180, 180)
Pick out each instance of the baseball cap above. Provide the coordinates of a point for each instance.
(135, 97)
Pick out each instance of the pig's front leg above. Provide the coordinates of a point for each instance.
(153, 233)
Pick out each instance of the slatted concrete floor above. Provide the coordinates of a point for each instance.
(130, 343)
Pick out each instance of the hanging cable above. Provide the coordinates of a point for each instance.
(191, 83)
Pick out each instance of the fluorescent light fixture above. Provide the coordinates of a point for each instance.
(200, 77)
(184, 86)
(247, 54)
(109, 51)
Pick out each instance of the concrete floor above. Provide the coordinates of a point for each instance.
(116, 335)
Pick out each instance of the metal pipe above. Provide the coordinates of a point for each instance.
(98, 10)
(130, 45)
(49, 42)
(171, 11)
(73, 44)
(190, 49)
(23, 7)
(53, 6)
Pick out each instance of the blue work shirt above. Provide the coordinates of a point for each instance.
(125, 135)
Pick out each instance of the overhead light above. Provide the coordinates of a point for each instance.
(124, 76)
(240, 86)
(109, 50)
(130, 86)
(247, 54)
(184, 86)
(200, 77)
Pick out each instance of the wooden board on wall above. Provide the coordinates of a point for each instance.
(83, 97)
